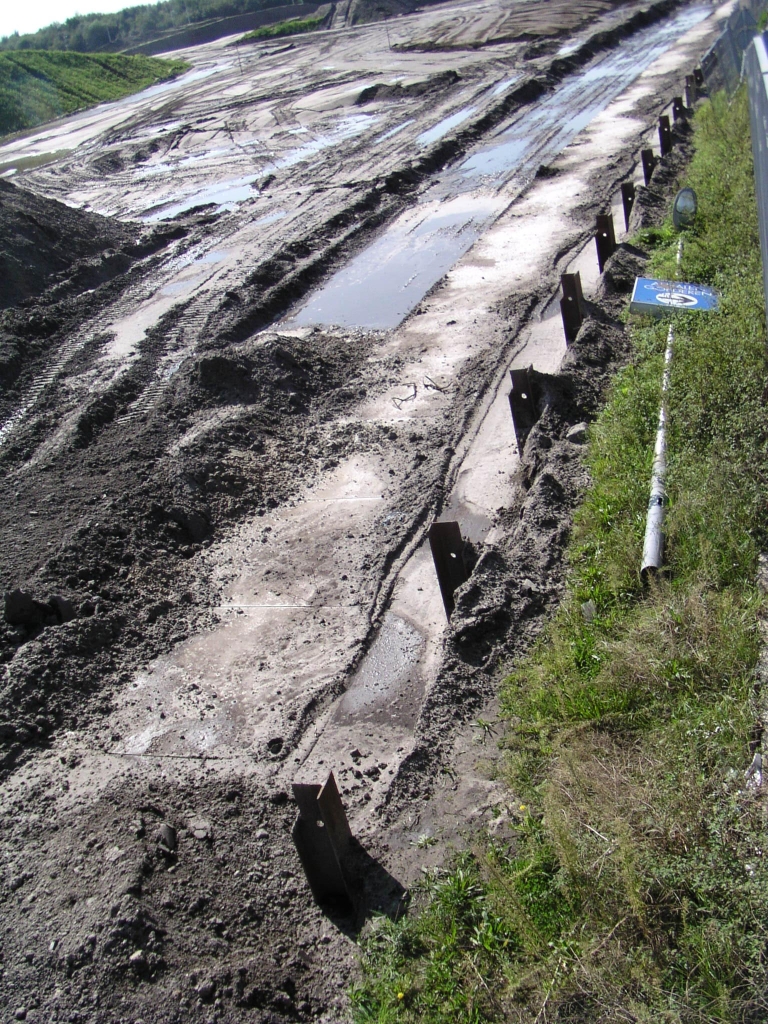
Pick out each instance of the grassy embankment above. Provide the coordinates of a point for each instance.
(36, 86)
(131, 26)
(637, 887)
(292, 27)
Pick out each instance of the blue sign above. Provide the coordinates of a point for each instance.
(655, 298)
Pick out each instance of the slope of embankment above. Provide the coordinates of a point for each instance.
(38, 86)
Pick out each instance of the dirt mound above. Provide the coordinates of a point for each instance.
(362, 12)
(384, 91)
(652, 201)
(41, 239)
(56, 263)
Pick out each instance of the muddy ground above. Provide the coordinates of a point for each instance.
(215, 510)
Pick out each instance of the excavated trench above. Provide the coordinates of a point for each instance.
(224, 439)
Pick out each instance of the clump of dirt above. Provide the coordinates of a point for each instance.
(41, 239)
(397, 91)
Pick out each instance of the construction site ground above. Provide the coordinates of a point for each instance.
(257, 332)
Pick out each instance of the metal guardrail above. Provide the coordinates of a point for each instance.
(722, 64)
(756, 67)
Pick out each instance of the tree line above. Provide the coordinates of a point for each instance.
(109, 33)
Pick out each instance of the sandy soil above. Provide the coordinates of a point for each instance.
(274, 351)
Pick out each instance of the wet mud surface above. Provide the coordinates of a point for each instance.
(215, 512)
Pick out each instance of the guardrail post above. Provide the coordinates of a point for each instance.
(665, 135)
(522, 404)
(649, 163)
(627, 200)
(605, 239)
(689, 93)
(447, 547)
(322, 838)
(678, 108)
(698, 77)
(572, 312)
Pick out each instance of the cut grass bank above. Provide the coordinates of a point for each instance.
(37, 86)
(636, 888)
(292, 27)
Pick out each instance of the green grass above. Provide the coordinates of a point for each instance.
(131, 26)
(637, 887)
(36, 86)
(292, 27)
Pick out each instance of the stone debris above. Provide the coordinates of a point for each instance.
(167, 838)
(754, 774)
(199, 827)
(577, 434)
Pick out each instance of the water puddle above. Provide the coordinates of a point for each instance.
(270, 218)
(568, 49)
(347, 128)
(384, 282)
(223, 194)
(379, 287)
(387, 666)
(442, 128)
(179, 288)
(496, 160)
(28, 163)
(394, 131)
(545, 128)
(211, 154)
(216, 256)
(501, 87)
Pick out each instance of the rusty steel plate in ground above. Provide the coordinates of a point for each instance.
(322, 838)
(522, 403)
(447, 547)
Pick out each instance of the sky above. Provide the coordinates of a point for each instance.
(34, 14)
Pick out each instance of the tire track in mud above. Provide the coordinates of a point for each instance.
(470, 643)
(140, 369)
(70, 334)
(276, 290)
(278, 283)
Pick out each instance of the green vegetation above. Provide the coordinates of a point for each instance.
(105, 33)
(36, 87)
(292, 27)
(637, 887)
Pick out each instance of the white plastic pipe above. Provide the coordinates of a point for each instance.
(653, 546)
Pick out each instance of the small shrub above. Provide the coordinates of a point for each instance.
(292, 27)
